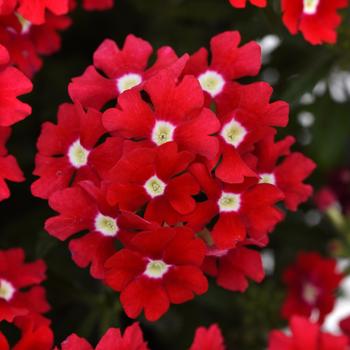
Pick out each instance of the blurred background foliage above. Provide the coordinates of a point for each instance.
(312, 79)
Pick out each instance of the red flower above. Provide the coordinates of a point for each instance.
(38, 338)
(316, 19)
(176, 114)
(132, 339)
(241, 209)
(84, 208)
(9, 169)
(305, 335)
(311, 283)
(20, 293)
(69, 151)
(232, 267)
(289, 174)
(26, 42)
(123, 69)
(156, 177)
(12, 84)
(208, 339)
(157, 268)
(246, 116)
(228, 62)
(243, 3)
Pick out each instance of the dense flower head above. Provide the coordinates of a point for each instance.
(171, 181)
(306, 335)
(317, 20)
(312, 282)
(21, 295)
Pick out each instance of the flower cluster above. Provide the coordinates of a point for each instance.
(30, 29)
(317, 20)
(13, 84)
(184, 171)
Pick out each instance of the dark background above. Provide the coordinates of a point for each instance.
(82, 305)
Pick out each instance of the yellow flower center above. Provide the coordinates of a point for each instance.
(212, 82)
(156, 269)
(233, 133)
(155, 186)
(163, 132)
(229, 202)
(78, 155)
(7, 290)
(128, 81)
(106, 225)
(310, 6)
(267, 179)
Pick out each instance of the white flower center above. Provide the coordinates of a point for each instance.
(212, 82)
(156, 269)
(229, 202)
(267, 179)
(25, 24)
(310, 6)
(155, 186)
(233, 133)
(128, 81)
(310, 293)
(106, 225)
(162, 132)
(7, 290)
(78, 155)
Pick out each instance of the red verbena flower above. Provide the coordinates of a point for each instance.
(246, 117)
(157, 268)
(242, 210)
(157, 178)
(311, 282)
(69, 151)
(232, 267)
(13, 83)
(228, 62)
(316, 19)
(84, 208)
(27, 42)
(9, 169)
(132, 339)
(208, 339)
(287, 175)
(20, 293)
(305, 335)
(176, 114)
(243, 3)
(123, 69)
